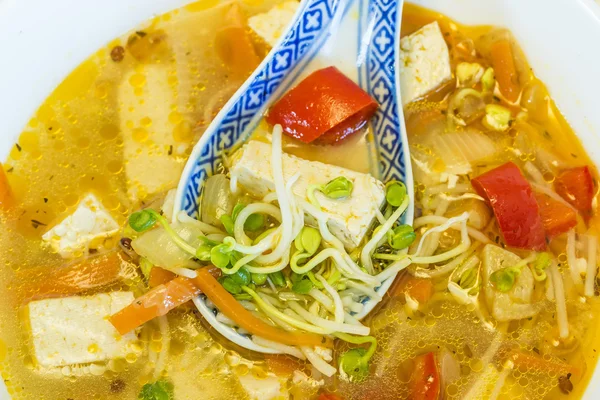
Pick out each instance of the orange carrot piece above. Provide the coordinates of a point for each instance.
(282, 365)
(233, 44)
(232, 309)
(533, 361)
(159, 276)
(420, 289)
(505, 71)
(158, 301)
(6, 196)
(556, 216)
(91, 273)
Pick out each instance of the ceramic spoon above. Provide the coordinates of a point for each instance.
(362, 39)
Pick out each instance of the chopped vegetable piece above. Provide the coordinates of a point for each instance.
(401, 237)
(420, 289)
(6, 196)
(277, 279)
(234, 46)
(539, 266)
(530, 361)
(395, 193)
(468, 73)
(282, 365)
(143, 220)
(504, 279)
(556, 216)
(259, 279)
(158, 301)
(337, 188)
(497, 118)
(514, 206)
(146, 267)
(302, 286)
(425, 379)
(504, 68)
(576, 186)
(160, 276)
(310, 240)
(254, 222)
(355, 362)
(326, 105)
(232, 309)
(242, 277)
(488, 80)
(159, 390)
(231, 285)
(91, 273)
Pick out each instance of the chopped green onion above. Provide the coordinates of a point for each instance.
(302, 286)
(504, 279)
(243, 296)
(254, 222)
(208, 241)
(231, 286)
(228, 223)
(314, 280)
(401, 237)
(242, 277)
(277, 279)
(203, 252)
(310, 239)
(142, 220)
(219, 256)
(338, 188)
(259, 279)
(395, 193)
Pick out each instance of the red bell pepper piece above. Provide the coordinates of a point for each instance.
(425, 379)
(576, 186)
(326, 105)
(329, 396)
(557, 217)
(514, 205)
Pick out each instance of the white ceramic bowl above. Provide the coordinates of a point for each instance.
(42, 41)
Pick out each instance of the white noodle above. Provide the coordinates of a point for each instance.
(462, 247)
(559, 297)
(269, 269)
(433, 241)
(318, 362)
(501, 379)
(322, 298)
(572, 259)
(369, 247)
(437, 220)
(163, 325)
(328, 325)
(441, 228)
(283, 348)
(446, 268)
(337, 301)
(186, 272)
(393, 269)
(535, 174)
(265, 244)
(268, 308)
(364, 289)
(590, 274)
(459, 188)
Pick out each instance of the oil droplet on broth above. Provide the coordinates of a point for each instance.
(140, 135)
(183, 132)
(109, 131)
(114, 166)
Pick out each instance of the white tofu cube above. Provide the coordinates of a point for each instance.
(89, 222)
(349, 218)
(424, 62)
(76, 330)
(271, 25)
(269, 388)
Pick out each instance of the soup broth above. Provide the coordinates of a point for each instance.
(121, 127)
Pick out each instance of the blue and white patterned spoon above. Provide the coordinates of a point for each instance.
(362, 39)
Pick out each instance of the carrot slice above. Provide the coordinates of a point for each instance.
(159, 276)
(420, 289)
(504, 69)
(232, 309)
(158, 301)
(282, 365)
(530, 361)
(576, 185)
(6, 196)
(92, 273)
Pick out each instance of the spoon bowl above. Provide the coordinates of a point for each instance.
(359, 37)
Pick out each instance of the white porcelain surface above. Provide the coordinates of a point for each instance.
(42, 41)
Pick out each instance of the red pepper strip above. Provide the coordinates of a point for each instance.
(425, 379)
(557, 217)
(326, 105)
(576, 186)
(329, 396)
(514, 205)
